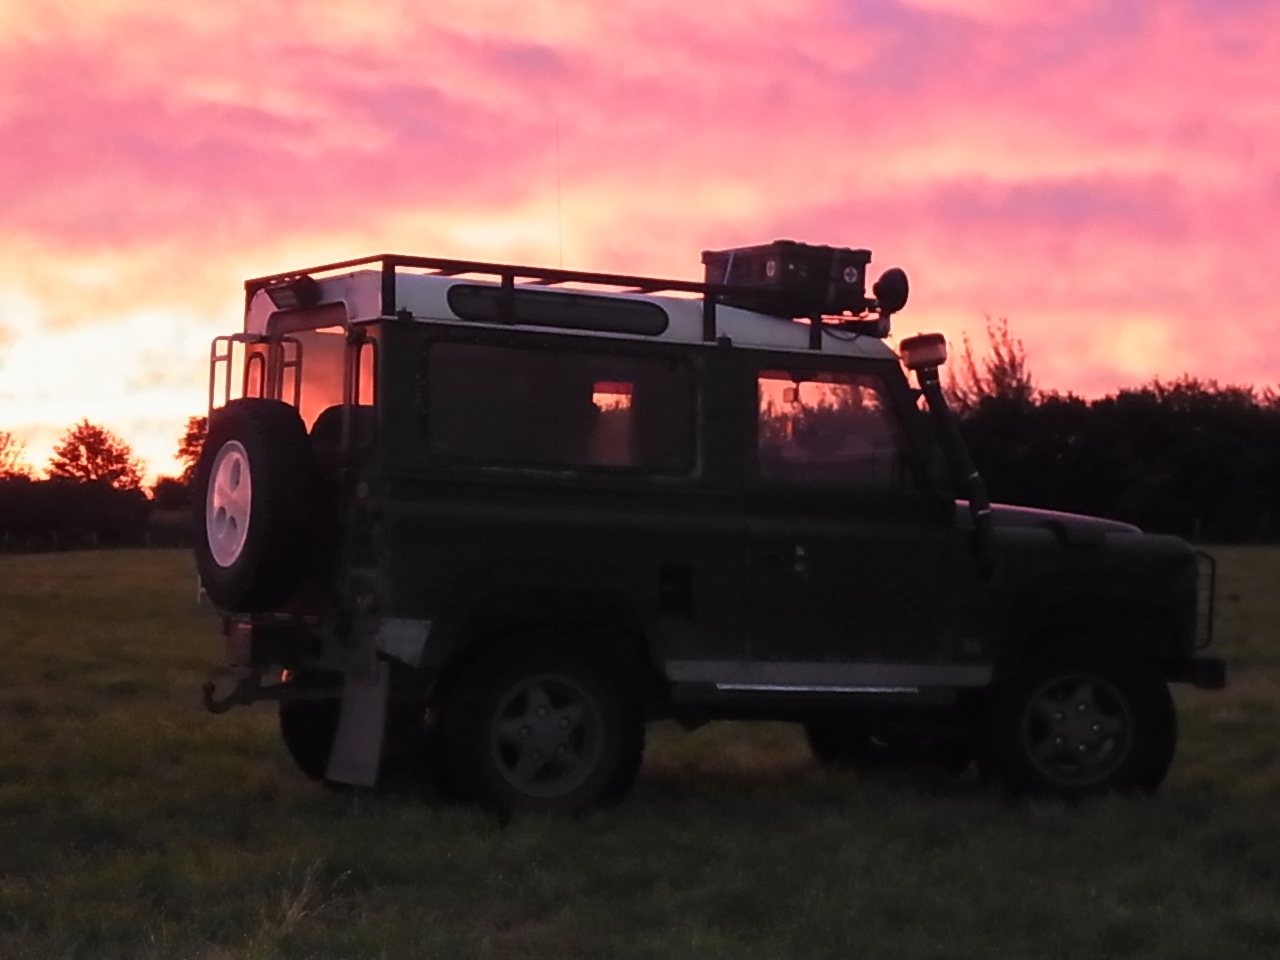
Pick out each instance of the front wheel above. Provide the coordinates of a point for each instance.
(539, 727)
(1081, 726)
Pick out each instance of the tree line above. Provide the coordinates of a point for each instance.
(1187, 456)
(91, 493)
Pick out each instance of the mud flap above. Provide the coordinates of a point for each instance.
(362, 724)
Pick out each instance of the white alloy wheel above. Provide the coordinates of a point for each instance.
(228, 503)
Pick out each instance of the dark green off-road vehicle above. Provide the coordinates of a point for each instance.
(486, 521)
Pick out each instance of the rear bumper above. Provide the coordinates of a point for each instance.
(1207, 673)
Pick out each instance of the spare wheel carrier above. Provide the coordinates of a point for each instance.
(255, 496)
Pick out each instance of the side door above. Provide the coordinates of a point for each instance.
(855, 560)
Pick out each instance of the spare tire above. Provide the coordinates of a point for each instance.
(255, 495)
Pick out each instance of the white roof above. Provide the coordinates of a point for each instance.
(425, 296)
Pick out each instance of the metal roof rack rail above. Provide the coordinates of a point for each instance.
(511, 275)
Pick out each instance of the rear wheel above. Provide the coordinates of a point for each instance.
(535, 726)
(1086, 725)
(309, 726)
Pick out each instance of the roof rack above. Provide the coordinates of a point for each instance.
(509, 276)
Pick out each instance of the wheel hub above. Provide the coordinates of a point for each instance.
(546, 735)
(1077, 729)
(228, 504)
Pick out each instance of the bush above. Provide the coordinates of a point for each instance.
(63, 514)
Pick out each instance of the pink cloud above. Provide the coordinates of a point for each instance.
(1104, 174)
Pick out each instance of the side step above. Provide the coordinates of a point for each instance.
(780, 698)
(780, 684)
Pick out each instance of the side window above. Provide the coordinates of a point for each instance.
(515, 406)
(828, 428)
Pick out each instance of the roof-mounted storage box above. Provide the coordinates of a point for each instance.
(790, 279)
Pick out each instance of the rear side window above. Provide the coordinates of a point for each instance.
(516, 406)
(549, 308)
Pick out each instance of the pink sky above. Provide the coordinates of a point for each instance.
(1106, 175)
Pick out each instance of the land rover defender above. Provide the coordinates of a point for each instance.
(486, 521)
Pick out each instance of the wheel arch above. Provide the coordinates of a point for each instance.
(1095, 626)
(600, 623)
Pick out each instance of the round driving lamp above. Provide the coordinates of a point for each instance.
(923, 351)
(891, 290)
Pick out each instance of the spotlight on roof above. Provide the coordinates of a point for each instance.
(891, 291)
(294, 293)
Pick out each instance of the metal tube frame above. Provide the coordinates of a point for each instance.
(509, 276)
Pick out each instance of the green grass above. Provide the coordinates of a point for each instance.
(134, 824)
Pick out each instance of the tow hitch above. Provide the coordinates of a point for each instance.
(242, 686)
(239, 682)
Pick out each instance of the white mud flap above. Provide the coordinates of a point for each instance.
(362, 723)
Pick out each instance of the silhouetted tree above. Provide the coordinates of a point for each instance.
(1185, 456)
(63, 514)
(12, 463)
(1191, 457)
(89, 453)
(190, 445)
(170, 493)
(1003, 374)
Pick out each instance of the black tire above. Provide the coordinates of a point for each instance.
(1078, 726)
(409, 747)
(537, 726)
(837, 744)
(255, 493)
(308, 728)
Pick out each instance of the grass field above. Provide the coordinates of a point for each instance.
(134, 824)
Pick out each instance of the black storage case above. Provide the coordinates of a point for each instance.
(790, 279)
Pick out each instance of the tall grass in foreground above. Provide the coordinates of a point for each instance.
(133, 824)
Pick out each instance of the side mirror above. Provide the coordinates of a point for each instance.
(891, 291)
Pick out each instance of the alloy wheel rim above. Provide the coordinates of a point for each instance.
(546, 735)
(228, 504)
(1077, 729)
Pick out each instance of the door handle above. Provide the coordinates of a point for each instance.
(794, 559)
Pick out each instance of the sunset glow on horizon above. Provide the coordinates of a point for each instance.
(1106, 175)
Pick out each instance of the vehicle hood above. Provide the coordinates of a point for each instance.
(1005, 515)
(1070, 528)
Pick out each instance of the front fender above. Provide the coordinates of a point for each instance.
(1123, 592)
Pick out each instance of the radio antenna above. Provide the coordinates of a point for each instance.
(557, 31)
(559, 202)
